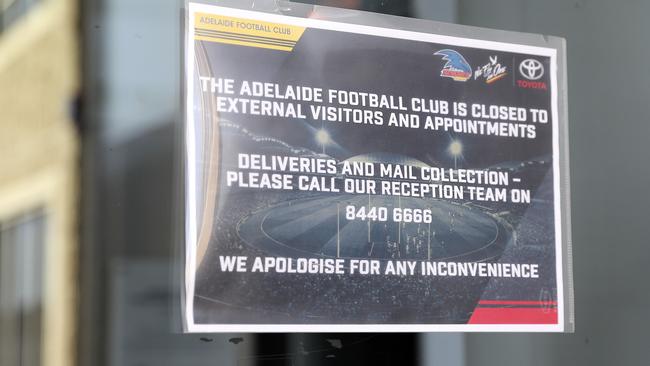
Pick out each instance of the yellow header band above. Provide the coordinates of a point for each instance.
(246, 32)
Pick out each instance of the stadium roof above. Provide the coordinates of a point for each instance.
(383, 157)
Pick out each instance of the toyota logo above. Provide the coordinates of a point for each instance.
(531, 69)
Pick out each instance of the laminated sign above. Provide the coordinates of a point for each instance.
(354, 172)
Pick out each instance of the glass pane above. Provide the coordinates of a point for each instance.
(21, 286)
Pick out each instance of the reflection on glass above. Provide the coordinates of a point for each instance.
(21, 288)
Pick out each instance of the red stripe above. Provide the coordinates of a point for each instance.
(514, 316)
(515, 302)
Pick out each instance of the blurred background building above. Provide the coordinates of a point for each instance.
(39, 144)
(89, 105)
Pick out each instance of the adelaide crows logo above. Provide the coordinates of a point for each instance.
(456, 67)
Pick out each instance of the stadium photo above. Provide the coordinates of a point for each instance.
(307, 224)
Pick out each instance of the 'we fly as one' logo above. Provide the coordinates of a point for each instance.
(492, 71)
